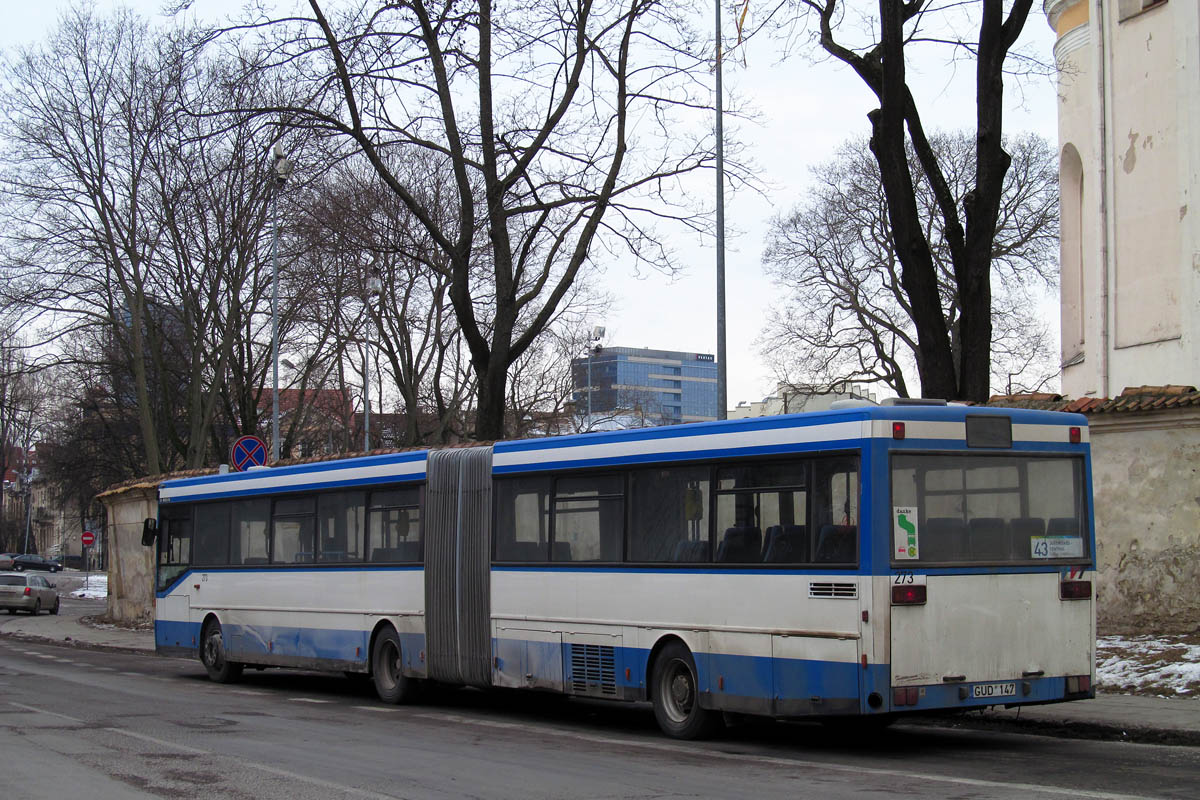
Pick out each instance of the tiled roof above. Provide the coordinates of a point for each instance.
(1134, 398)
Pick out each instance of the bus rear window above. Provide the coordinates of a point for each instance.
(987, 509)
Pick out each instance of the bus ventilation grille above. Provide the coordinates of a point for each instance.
(846, 590)
(593, 670)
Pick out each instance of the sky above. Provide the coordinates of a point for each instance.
(804, 111)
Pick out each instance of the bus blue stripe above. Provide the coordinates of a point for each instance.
(300, 469)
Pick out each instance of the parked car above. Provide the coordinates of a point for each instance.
(6, 560)
(32, 593)
(31, 561)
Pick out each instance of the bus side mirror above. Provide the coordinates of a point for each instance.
(149, 532)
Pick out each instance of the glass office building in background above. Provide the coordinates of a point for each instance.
(646, 387)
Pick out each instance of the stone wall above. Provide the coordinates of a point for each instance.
(1146, 482)
(130, 565)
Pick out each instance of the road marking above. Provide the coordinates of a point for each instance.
(42, 655)
(308, 700)
(104, 669)
(44, 711)
(742, 758)
(247, 691)
(377, 709)
(132, 674)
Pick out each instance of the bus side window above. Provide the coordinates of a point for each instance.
(669, 515)
(211, 543)
(394, 526)
(522, 530)
(341, 526)
(249, 528)
(588, 518)
(835, 510)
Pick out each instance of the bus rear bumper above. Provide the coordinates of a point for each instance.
(981, 694)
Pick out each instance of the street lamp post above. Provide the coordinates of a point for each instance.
(22, 489)
(593, 344)
(374, 290)
(282, 170)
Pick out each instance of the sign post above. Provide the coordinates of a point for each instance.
(88, 539)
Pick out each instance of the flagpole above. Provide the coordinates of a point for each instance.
(722, 373)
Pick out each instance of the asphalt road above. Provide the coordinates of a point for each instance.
(91, 724)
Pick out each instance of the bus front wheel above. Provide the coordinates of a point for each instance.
(387, 668)
(676, 696)
(212, 655)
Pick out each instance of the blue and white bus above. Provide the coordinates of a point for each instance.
(864, 562)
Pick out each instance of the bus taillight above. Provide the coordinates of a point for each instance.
(1076, 435)
(1074, 590)
(897, 430)
(909, 595)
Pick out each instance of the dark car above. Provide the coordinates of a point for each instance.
(30, 561)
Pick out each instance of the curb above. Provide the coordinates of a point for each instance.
(1062, 729)
(78, 644)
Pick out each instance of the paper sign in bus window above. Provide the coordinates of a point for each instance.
(1056, 546)
(904, 532)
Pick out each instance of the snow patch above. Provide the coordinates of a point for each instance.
(96, 588)
(1168, 666)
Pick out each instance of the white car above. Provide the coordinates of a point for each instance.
(20, 591)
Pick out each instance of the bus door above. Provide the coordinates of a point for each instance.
(172, 613)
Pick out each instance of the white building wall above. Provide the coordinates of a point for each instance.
(1129, 136)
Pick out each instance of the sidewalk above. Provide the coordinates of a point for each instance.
(1135, 718)
(72, 630)
(68, 626)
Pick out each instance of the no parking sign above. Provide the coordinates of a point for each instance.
(247, 452)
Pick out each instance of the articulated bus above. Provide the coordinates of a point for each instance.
(869, 562)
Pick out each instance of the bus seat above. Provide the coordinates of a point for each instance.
(942, 539)
(835, 544)
(1062, 526)
(521, 551)
(786, 543)
(561, 551)
(740, 545)
(690, 551)
(404, 552)
(1023, 529)
(989, 539)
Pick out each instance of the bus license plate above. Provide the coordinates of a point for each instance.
(985, 690)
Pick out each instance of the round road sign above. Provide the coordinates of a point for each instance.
(88, 538)
(247, 452)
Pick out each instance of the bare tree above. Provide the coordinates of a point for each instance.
(969, 223)
(355, 228)
(24, 397)
(846, 315)
(136, 224)
(532, 108)
(81, 113)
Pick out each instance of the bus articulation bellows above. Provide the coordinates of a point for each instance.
(861, 562)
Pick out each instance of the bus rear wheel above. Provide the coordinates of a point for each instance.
(387, 668)
(212, 655)
(676, 696)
